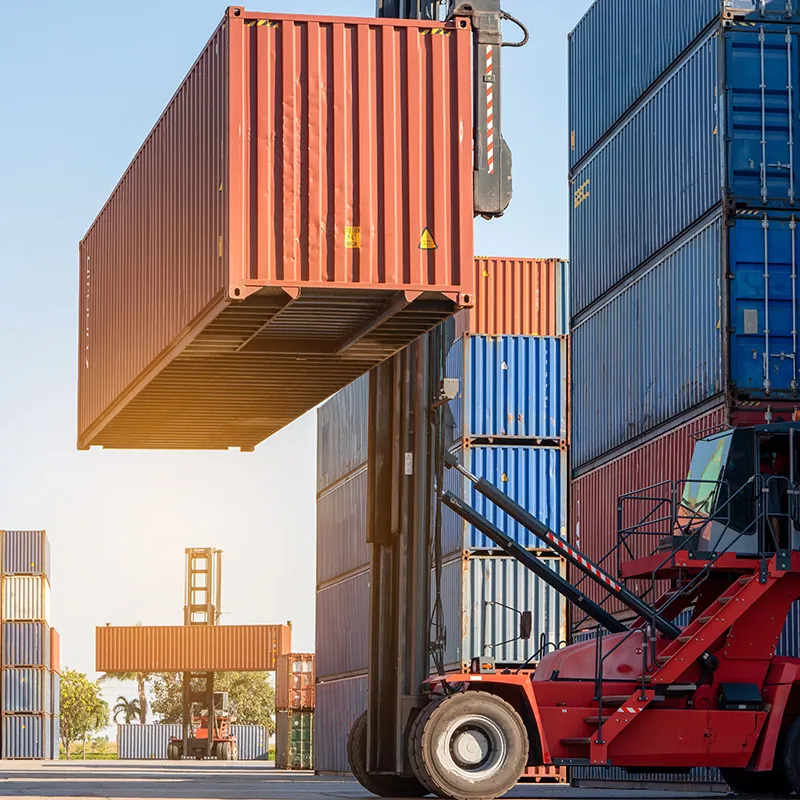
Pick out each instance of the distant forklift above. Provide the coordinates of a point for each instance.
(206, 719)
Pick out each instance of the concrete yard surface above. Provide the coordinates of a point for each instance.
(160, 780)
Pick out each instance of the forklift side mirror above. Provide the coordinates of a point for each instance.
(525, 625)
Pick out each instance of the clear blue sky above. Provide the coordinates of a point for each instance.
(82, 84)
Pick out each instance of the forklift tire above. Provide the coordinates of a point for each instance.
(224, 751)
(788, 756)
(380, 785)
(414, 748)
(754, 784)
(173, 753)
(471, 746)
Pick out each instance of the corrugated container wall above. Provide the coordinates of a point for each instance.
(55, 686)
(651, 352)
(181, 648)
(146, 742)
(27, 644)
(294, 682)
(27, 737)
(26, 598)
(26, 553)
(593, 495)
(643, 40)
(509, 386)
(536, 477)
(245, 250)
(518, 297)
(55, 651)
(481, 597)
(27, 690)
(342, 632)
(342, 527)
(339, 705)
(294, 740)
(342, 433)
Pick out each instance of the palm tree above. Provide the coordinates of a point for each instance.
(129, 708)
(141, 679)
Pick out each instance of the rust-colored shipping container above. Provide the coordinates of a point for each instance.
(593, 496)
(294, 682)
(517, 296)
(191, 648)
(301, 211)
(55, 651)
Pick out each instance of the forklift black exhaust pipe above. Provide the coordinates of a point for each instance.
(515, 550)
(529, 522)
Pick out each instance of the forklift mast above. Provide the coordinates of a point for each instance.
(492, 184)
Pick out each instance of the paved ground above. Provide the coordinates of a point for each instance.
(213, 781)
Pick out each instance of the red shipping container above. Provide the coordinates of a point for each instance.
(294, 682)
(517, 297)
(301, 211)
(55, 651)
(191, 648)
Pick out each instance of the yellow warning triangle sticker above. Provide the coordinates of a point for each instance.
(486, 273)
(426, 241)
(504, 478)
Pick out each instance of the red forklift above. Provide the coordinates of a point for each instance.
(207, 739)
(718, 552)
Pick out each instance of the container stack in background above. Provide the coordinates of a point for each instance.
(683, 242)
(509, 424)
(149, 742)
(342, 631)
(294, 715)
(30, 650)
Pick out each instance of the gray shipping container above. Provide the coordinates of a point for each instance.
(26, 598)
(342, 433)
(27, 736)
(342, 641)
(26, 553)
(25, 644)
(342, 528)
(144, 742)
(339, 705)
(473, 589)
(27, 689)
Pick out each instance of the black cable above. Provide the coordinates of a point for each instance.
(525, 33)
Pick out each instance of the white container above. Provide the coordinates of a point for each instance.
(26, 597)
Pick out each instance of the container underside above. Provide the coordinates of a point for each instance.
(262, 363)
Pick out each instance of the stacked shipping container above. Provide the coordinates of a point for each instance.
(29, 650)
(294, 720)
(682, 240)
(144, 742)
(509, 423)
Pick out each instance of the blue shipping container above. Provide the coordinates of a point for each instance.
(643, 37)
(27, 690)
(342, 528)
(536, 477)
(342, 433)
(694, 144)
(55, 703)
(650, 352)
(26, 553)
(26, 644)
(339, 705)
(509, 386)
(655, 349)
(342, 638)
(27, 736)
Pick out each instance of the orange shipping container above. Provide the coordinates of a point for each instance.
(55, 651)
(301, 211)
(294, 682)
(186, 648)
(518, 297)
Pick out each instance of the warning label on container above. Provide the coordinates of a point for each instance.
(352, 238)
(426, 241)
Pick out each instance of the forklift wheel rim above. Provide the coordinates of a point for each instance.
(473, 747)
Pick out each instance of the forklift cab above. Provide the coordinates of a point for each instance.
(740, 494)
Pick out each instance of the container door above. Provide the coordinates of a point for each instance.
(761, 78)
(764, 305)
